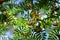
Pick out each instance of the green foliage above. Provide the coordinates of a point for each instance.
(30, 12)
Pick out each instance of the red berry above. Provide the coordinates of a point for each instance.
(55, 23)
(38, 30)
(1, 1)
